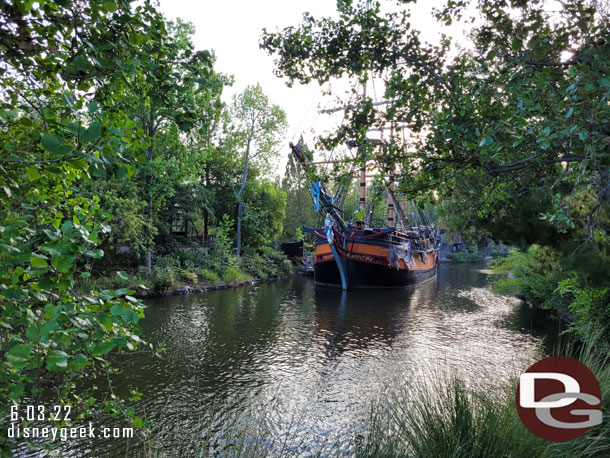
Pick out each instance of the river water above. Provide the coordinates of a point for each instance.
(304, 364)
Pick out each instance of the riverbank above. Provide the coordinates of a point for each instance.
(187, 289)
(198, 270)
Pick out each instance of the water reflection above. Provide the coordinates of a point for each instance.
(307, 362)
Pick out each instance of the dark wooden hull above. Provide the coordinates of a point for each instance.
(365, 275)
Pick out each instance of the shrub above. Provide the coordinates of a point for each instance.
(588, 306)
(271, 254)
(187, 276)
(254, 264)
(287, 266)
(533, 276)
(209, 276)
(170, 260)
(265, 262)
(233, 274)
(163, 278)
(465, 257)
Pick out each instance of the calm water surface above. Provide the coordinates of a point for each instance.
(305, 363)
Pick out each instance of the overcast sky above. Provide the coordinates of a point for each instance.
(232, 28)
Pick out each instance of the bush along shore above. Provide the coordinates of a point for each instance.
(196, 270)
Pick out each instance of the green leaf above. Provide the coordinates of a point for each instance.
(10, 248)
(33, 333)
(52, 144)
(486, 141)
(109, 6)
(83, 63)
(16, 393)
(57, 358)
(89, 157)
(92, 106)
(74, 127)
(96, 254)
(78, 362)
(123, 275)
(32, 173)
(49, 327)
(19, 355)
(102, 348)
(121, 172)
(131, 317)
(569, 113)
(65, 264)
(516, 44)
(68, 99)
(13, 293)
(52, 235)
(91, 133)
(116, 309)
(46, 284)
(38, 261)
(98, 170)
(52, 251)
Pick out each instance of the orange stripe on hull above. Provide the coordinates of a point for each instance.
(323, 253)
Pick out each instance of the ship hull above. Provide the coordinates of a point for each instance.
(365, 275)
(367, 265)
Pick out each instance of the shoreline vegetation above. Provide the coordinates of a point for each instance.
(197, 271)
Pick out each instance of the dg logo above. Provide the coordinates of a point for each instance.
(558, 399)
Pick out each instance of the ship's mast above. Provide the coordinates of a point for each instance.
(391, 203)
(363, 169)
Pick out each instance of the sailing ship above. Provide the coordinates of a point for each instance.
(358, 255)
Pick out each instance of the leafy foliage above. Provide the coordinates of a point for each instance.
(65, 65)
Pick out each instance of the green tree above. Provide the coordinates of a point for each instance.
(66, 67)
(169, 91)
(257, 128)
(265, 209)
(300, 212)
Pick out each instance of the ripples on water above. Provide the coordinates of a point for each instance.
(305, 363)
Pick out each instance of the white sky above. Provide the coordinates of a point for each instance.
(232, 28)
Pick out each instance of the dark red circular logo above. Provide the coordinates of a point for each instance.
(559, 399)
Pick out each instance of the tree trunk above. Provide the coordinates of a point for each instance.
(150, 207)
(149, 178)
(206, 215)
(240, 209)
